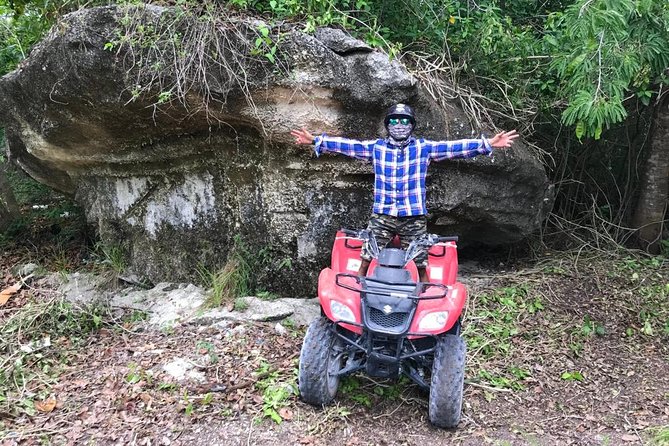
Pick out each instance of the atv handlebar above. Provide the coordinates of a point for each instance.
(416, 246)
(350, 232)
(432, 237)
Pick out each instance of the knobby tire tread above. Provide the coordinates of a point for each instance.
(448, 373)
(312, 377)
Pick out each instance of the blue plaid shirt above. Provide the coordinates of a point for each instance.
(399, 185)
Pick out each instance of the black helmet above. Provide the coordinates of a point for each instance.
(400, 111)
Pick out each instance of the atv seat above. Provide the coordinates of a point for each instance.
(411, 267)
(392, 275)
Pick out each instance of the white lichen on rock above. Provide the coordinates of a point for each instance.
(128, 192)
(183, 205)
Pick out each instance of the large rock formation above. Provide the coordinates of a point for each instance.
(173, 177)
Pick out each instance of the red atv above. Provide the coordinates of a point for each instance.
(388, 323)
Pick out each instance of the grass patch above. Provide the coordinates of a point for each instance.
(241, 304)
(35, 342)
(649, 278)
(277, 393)
(113, 256)
(490, 331)
(661, 437)
(239, 277)
(367, 392)
(266, 295)
(228, 284)
(351, 388)
(207, 348)
(574, 303)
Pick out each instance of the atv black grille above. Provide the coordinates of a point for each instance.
(384, 320)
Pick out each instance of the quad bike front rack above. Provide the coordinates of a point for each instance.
(420, 288)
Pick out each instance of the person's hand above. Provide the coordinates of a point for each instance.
(503, 139)
(302, 136)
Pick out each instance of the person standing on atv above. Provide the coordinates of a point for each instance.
(400, 164)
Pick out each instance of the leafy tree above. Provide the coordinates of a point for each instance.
(24, 22)
(602, 52)
(21, 26)
(608, 56)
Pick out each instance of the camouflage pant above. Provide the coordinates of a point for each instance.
(385, 227)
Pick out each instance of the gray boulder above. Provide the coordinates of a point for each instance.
(174, 165)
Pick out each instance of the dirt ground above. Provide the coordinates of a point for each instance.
(110, 388)
(561, 351)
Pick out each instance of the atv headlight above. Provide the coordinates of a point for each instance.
(341, 312)
(433, 321)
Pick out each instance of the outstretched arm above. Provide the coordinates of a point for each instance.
(469, 148)
(322, 143)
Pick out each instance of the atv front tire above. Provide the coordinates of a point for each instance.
(320, 359)
(448, 375)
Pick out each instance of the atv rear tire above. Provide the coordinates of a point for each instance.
(448, 375)
(319, 359)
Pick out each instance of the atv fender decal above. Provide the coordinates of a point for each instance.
(353, 264)
(436, 273)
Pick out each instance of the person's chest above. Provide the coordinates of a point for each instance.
(408, 160)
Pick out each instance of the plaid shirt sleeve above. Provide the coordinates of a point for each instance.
(350, 147)
(462, 148)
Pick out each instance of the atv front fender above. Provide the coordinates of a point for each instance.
(329, 291)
